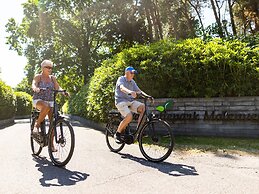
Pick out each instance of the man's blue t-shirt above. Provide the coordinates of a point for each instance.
(121, 96)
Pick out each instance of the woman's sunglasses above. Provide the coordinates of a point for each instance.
(48, 67)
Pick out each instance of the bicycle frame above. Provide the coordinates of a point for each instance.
(53, 121)
(145, 119)
(55, 117)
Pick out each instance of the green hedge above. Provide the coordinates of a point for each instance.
(188, 68)
(7, 102)
(23, 103)
(77, 103)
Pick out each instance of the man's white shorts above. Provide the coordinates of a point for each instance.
(50, 103)
(127, 107)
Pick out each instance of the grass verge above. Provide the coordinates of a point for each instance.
(237, 145)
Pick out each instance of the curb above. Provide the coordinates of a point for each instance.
(22, 117)
(6, 122)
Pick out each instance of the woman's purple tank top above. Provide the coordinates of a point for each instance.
(46, 95)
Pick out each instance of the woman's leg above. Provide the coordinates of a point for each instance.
(44, 109)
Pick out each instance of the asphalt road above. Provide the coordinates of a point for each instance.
(94, 169)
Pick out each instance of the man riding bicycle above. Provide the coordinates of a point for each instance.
(125, 93)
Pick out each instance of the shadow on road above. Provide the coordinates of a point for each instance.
(164, 167)
(55, 176)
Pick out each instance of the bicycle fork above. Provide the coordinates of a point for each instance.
(60, 138)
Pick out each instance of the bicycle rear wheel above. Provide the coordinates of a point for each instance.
(111, 129)
(156, 140)
(61, 147)
(35, 141)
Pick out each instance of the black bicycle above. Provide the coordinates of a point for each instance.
(59, 138)
(154, 135)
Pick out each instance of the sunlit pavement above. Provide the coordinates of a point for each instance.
(94, 169)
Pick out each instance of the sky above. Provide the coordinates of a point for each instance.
(12, 65)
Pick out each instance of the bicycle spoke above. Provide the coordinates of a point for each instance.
(35, 143)
(61, 150)
(156, 142)
(110, 131)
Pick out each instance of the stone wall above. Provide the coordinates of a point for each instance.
(229, 116)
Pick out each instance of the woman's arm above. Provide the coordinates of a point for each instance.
(56, 85)
(35, 82)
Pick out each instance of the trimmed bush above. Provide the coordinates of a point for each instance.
(77, 103)
(187, 68)
(7, 102)
(23, 103)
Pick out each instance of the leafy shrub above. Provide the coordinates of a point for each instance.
(187, 68)
(23, 103)
(77, 103)
(7, 102)
(65, 107)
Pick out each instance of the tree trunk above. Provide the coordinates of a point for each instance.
(199, 16)
(84, 54)
(230, 5)
(220, 30)
(150, 6)
(159, 23)
(150, 29)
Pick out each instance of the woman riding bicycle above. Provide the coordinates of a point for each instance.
(125, 92)
(43, 99)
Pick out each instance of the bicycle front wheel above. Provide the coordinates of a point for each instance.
(156, 140)
(61, 144)
(111, 129)
(35, 141)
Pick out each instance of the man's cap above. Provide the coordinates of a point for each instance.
(131, 69)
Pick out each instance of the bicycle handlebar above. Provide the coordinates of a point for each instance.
(145, 97)
(55, 91)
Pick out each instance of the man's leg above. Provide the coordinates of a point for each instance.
(141, 111)
(138, 107)
(126, 113)
(124, 123)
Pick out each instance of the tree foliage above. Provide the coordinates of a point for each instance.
(78, 35)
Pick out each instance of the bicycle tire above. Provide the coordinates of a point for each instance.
(111, 129)
(56, 157)
(156, 136)
(35, 145)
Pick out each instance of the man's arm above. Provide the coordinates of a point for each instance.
(127, 91)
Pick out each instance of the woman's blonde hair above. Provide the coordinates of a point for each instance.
(46, 63)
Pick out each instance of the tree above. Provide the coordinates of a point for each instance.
(215, 4)
(246, 13)
(197, 5)
(231, 14)
(177, 19)
(76, 35)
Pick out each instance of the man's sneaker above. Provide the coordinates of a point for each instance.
(117, 138)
